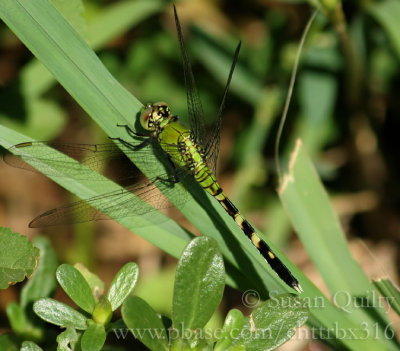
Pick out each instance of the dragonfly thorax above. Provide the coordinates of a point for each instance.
(155, 116)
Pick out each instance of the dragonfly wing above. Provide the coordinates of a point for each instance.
(212, 144)
(91, 157)
(117, 204)
(53, 165)
(195, 109)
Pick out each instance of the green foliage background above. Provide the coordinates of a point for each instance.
(344, 105)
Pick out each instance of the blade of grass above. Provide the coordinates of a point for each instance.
(311, 212)
(319, 229)
(105, 26)
(390, 293)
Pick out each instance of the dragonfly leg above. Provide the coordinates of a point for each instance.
(175, 176)
(172, 180)
(131, 132)
(134, 147)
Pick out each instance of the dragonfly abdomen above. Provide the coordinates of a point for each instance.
(207, 180)
(262, 247)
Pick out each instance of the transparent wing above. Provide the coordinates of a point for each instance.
(117, 204)
(93, 156)
(195, 109)
(212, 144)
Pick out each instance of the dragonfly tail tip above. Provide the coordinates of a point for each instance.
(298, 288)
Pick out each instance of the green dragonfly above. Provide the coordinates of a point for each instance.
(186, 151)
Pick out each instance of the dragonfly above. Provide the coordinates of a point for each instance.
(188, 152)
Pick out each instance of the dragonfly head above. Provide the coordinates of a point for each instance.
(154, 115)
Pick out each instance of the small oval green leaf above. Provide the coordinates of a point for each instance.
(57, 313)
(274, 322)
(199, 284)
(93, 338)
(76, 287)
(144, 323)
(233, 324)
(122, 284)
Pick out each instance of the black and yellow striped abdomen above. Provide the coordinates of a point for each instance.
(207, 180)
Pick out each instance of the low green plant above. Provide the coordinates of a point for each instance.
(198, 290)
(88, 328)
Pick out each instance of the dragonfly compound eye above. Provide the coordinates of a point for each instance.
(146, 116)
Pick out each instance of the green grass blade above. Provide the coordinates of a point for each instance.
(318, 227)
(390, 293)
(43, 281)
(105, 26)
